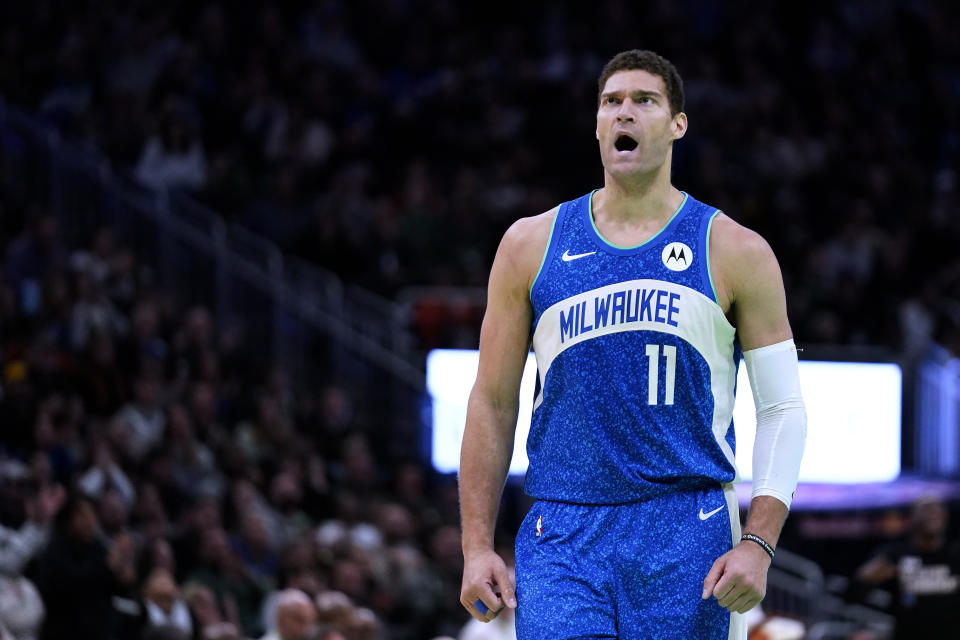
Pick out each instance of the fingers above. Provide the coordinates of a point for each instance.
(738, 596)
(749, 604)
(727, 590)
(485, 608)
(488, 613)
(488, 586)
(505, 585)
(481, 601)
(713, 576)
(736, 581)
(737, 600)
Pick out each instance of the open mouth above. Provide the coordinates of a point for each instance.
(625, 143)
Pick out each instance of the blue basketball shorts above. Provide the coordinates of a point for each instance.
(632, 571)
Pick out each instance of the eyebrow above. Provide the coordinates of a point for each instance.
(637, 92)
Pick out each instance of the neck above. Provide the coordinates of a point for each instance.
(648, 196)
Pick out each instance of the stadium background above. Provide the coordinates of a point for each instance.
(231, 231)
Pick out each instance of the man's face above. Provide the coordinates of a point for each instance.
(634, 125)
(930, 517)
(295, 621)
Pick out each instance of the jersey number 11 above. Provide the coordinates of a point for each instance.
(653, 388)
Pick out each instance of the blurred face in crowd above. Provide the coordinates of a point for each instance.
(295, 620)
(161, 589)
(255, 532)
(635, 127)
(83, 522)
(929, 517)
(113, 511)
(215, 547)
(178, 424)
(285, 492)
(333, 607)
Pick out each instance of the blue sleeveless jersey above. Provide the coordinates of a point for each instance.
(636, 363)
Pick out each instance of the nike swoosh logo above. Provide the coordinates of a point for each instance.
(704, 516)
(566, 257)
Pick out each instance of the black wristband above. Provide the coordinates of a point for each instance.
(760, 541)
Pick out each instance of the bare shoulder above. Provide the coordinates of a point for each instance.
(524, 243)
(749, 283)
(730, 241)
(739, 258)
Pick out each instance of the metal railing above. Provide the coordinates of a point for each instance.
(299, 313)
(796, 588)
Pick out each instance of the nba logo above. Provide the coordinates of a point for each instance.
(539, 526)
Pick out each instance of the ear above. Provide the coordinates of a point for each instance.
(679, 125)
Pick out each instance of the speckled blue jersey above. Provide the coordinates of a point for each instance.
(631, 442)
(636, 364)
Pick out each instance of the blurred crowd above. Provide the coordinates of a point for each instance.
(158, 481)
(393, 141)
(161, 479)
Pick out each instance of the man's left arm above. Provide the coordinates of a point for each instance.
(751, 280)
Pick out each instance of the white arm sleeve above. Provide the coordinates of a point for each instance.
(781, 419)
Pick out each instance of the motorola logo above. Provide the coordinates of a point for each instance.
(677, 256)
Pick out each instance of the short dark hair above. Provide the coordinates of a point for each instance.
(638, 59)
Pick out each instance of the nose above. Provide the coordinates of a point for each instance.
(624, 115)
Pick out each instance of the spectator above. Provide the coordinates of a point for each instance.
(20, 546)
(225, 574)
(106, 475)
(193, 467)
(114, 517)
(102, 384)
(286, 496)
(149, 514)
(174, 156)
(296, 617)
(94, 313)
(921, 571)
(157, 555)
(77, 577)
(34, 254)
(163, 605)
(254, 549)
(21, 607)
(143, 416)
(207, 616)
(334, 611)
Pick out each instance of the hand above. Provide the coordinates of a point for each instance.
(486, 579)
(738, 578)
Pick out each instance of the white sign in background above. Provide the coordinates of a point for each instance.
(853, 416)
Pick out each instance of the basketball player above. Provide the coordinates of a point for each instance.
(638, 300)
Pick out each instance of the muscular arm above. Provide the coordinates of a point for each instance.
(492, 411)
(751, 291)
(759, 308)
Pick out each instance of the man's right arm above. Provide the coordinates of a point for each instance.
(492, 412)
